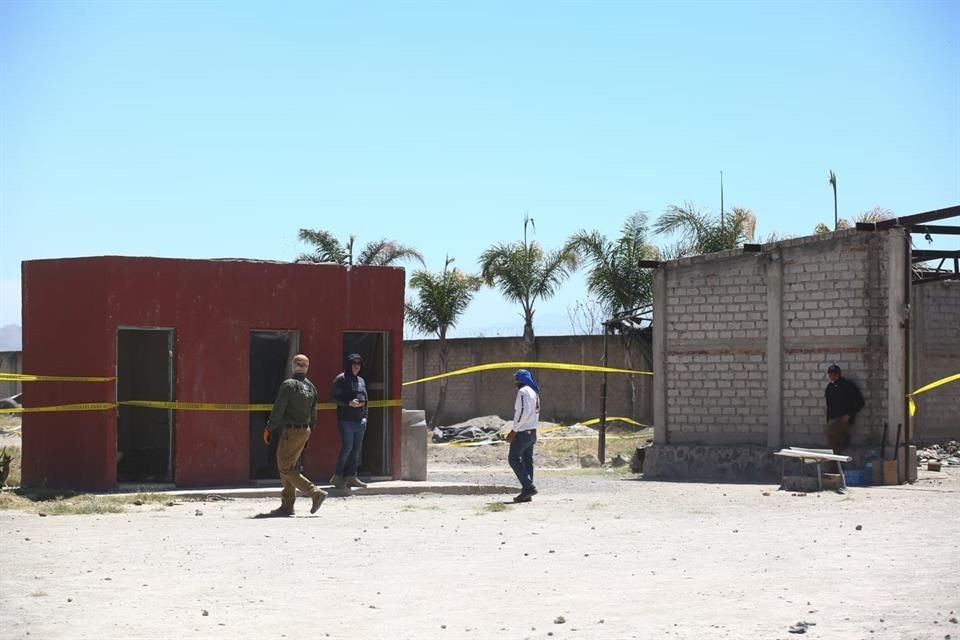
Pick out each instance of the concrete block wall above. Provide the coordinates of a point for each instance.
(10, 362)
(935, 353)
(716, 327)
(567, 396)
(742, 341)
(834, 309)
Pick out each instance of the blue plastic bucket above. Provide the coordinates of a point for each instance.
(854, 477)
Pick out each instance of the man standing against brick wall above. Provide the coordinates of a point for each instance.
(843, 402)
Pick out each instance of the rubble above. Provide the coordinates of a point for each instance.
(947, 454)
(486, 428)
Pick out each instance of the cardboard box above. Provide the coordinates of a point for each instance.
(876, 469)
(890, 475)
(933, 466)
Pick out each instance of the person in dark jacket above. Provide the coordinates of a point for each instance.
(350, 395)
(292, 419)
(844, 401)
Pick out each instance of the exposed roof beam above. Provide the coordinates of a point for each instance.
(910, 221)
(922, 255)
(935, 229)
(937, 278)
(932, 229)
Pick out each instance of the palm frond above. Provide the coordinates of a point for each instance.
(326, 248)
(443, 297)
(385, 253)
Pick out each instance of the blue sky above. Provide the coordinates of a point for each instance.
(207, 130)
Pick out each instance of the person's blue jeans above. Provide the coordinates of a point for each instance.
(351, 442)
(521, 457)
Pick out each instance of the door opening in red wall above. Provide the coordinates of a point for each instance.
(144, 435)
(373, 347)
(270, 355)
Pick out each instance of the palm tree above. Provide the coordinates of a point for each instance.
(703, 233)
(877, 214)
(833, 183)
(524, 273)
(443, 298)
(823, 227)
(615, 276)
(326, 248)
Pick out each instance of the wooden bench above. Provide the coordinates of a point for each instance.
(813, 456)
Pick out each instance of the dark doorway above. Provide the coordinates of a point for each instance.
(144, 435)
(270, 354)
(373, 348)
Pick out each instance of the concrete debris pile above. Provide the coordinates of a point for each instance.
(947, 454)
(493, 429)
(476, 430)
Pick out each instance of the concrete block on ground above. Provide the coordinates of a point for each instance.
(413, 450)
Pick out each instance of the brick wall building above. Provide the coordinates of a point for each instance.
(742, 341)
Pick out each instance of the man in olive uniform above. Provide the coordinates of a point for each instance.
(293, 417)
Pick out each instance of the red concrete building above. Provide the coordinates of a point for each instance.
(198, 331)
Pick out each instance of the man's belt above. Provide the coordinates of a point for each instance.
(298, 426)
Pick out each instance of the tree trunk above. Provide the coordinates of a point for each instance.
(628, 364)
(442, 395)
(528, 337)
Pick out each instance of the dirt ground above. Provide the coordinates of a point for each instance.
(597, 554)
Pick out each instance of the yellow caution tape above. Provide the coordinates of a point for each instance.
(87, 406)
(629, 420)
(373, 404)
(528, 365)
(472, 442)
(196, 406)
(188, 406)
(25, 377)
(219, 406)
(924, 389)
(476, 442)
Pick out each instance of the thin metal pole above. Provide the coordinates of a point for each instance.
(721, 201)
(602, 445)
(908, 286)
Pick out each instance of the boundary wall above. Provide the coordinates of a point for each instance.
(10, 362)
(567, 396)
(934, 354)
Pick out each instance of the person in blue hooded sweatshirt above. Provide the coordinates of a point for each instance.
(350, 395)
(526, 415)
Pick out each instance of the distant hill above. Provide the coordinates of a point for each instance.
(10, 338)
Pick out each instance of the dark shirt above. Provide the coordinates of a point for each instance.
(843, 399)
(296, 404)
(347, 388)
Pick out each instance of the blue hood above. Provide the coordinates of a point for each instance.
(526, 378)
